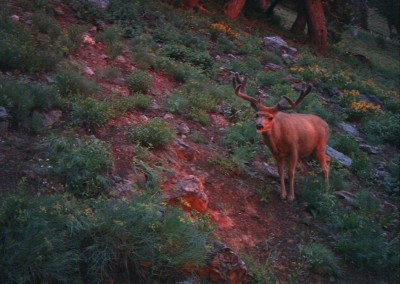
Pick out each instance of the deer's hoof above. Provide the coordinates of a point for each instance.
(283, 196)
(291, 198)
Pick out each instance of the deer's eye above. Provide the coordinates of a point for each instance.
(270, 118)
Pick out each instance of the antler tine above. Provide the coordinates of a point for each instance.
(292, 104)
(240, 87)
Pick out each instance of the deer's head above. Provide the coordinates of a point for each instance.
(265, 114)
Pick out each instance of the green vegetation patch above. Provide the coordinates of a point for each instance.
(81, 164)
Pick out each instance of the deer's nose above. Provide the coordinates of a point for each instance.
(259, 126)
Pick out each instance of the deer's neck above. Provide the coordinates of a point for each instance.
(270, 140)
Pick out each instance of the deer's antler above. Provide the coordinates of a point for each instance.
(293, 105)
(240, 89)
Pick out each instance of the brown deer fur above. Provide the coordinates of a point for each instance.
(290, 137)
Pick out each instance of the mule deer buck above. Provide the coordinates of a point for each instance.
(290, 137)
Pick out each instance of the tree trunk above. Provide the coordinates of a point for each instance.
(318, 32)
(191, 3)
(301, 19)
(364, 14)
(233, 8)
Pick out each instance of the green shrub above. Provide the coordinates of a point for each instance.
(312, 105)
(142, 102)
(62, 239)
(81, 164)
(40, 239)
(47, 25)
(261, 271)
(177, 103)
(321, 259)
(382, 128)
(154, 134)
(139, 82)
(362, 166)
(362, 243)
(112, 37)
(345, 144)
(90, 113)
(110, 74)
(71, 83)
(19, 49)
(21, 99)
(319, 202)
(86, 10)
(199, 115)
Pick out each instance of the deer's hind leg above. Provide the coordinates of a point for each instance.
(325, 162)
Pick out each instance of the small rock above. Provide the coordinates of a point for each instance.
(382, 174)
(225, 265)
(335, 92)
(58, 11)
(14, 18)
(3, 114)
(189, 193)
(348, 129)
(51, 118)
(117, 179)
(50, 79)
(371, 149)
(121, 59)
(280, 46)
(100, 3)
(183, 128)
(340, 157)
(89, 71)
(272, 67)
(168, 116)
(88, 39)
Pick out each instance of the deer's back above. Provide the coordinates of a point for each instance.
(300, 132)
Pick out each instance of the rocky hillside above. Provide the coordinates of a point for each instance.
(125, 155)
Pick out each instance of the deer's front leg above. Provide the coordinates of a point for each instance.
(282, 178)
(292, 171)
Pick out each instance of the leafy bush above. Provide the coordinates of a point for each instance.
(61, 239)
(382, 128)
(19, 51)
(321, 259)
(177, 103)
(362, 166)
(154, 134)
(90, 113)
(71, 83)
(345, 144)
(81, 164)
(112, 37)
(40, 239)
(47, 25)
(110, 74)
(139, 82)
(21, 99)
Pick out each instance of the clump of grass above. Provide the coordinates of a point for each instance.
(345, 144)
(112, 37)
(89, 113)
(154, 134)
(22, 99)
(47, 25)
(139, 82)
(110, 74)
(62, 239)
(321, 259)
(70, 83)
(81, 164)
(19, 49)
(382, 127)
